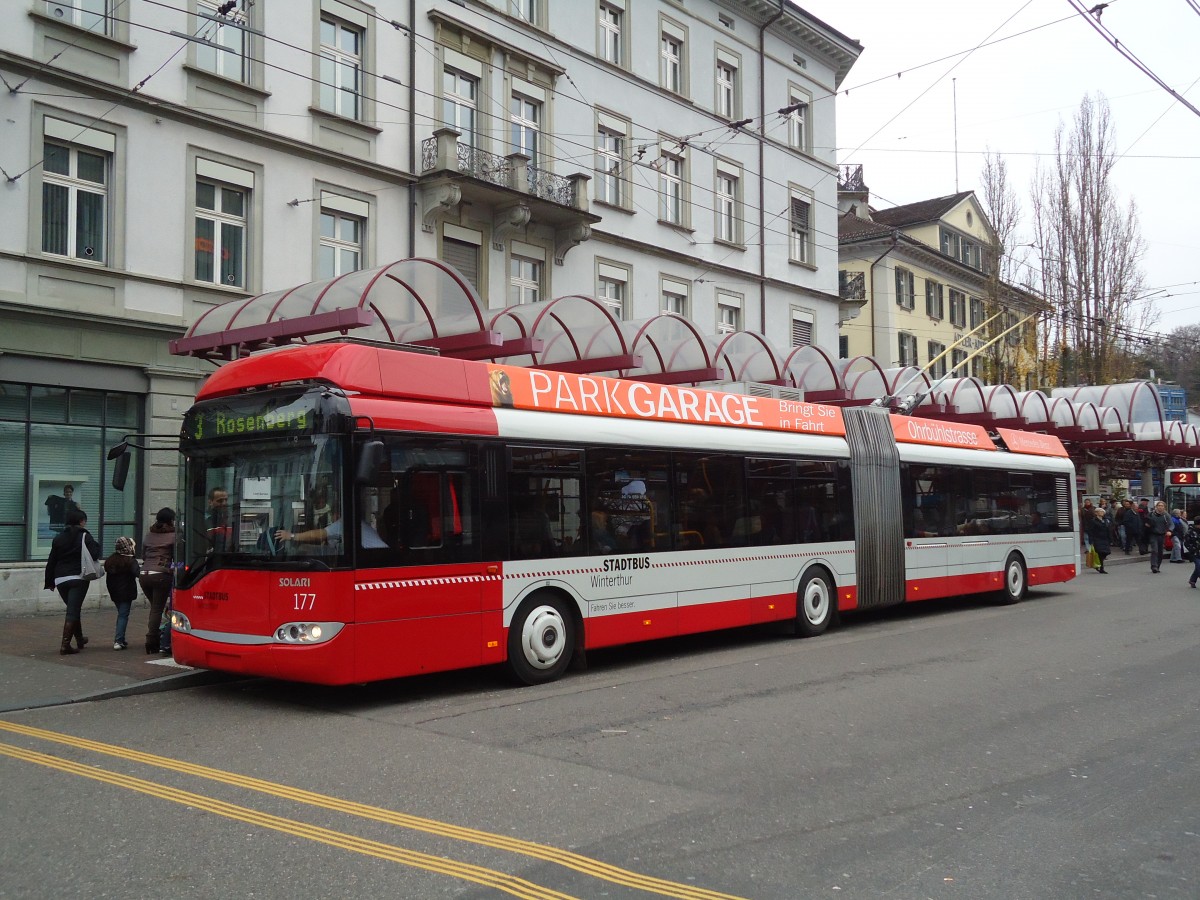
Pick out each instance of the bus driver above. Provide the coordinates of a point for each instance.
(332, 533)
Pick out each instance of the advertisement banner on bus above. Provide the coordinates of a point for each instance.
(565, 392)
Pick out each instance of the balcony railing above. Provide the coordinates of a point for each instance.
(852, 285)
(504, 171)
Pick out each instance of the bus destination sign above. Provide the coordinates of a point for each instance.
(217, 420)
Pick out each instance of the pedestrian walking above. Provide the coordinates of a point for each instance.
(1133, 527)
(1143, 510)
(1159, 524)
(121, 572)
(159, 549)
(1191, 543)
(1100, 534)
(64, 572)
(1178, 533)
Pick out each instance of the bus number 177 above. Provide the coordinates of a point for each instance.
(304, 601)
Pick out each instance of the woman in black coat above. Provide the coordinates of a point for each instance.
(1099, 531)
(63, 568)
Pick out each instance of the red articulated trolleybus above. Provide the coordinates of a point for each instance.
(392, 512)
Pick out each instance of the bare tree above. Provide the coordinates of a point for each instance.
(1013, 357)
(1091, 251)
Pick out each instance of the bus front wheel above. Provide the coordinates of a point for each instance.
(814, 603)
(1016, 580)
(541, 640)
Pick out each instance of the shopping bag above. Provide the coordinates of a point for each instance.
(1092, 558)
(89, 569)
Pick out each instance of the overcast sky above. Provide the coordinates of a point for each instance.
(1011, 97)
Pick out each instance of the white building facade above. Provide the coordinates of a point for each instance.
(163, 158)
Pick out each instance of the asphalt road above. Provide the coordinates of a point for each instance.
(1048, 749)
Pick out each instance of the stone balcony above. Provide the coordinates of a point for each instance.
(517, 193)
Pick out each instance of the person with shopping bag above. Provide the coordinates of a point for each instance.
(65, 571)
(1100, 534)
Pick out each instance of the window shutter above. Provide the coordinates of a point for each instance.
(801, 333)
(800, 212)
(464, 257)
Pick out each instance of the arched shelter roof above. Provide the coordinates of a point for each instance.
(673, 351)
(421, 301)
(749, 356)
(1138, 401)
(863, 378)
(812, 370)
(572, 333)
(1034, 408)
(961, 398)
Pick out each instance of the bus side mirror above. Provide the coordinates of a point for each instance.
(121, 470)
(369, 460)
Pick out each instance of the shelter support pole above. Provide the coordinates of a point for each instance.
(1091, 477)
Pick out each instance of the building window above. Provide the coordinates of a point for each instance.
(904, 288)
(458, 103)
(976, 313)
(220, 233)
(1013, 337)
(611, 34)
(52, 441)
(91, 15)
(727, 89)
(612, 288)
(670, 189)
(525, 117)
(340, 248)
(934, 299)
(957, 358)
(798, 103)
(958, 308)
(962, 248)
(728, 191)
(341, 69)
(610, 156)
(843, 347)
(729, 313)
(224, 48)
(529, 10)
(524, 279)
(937, 369)
(908, 349)
(675, 297)
(75, 201)
(801, 229)
(802, 329)
(670, 73)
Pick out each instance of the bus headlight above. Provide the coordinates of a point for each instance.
(306, 632)
(180, 622)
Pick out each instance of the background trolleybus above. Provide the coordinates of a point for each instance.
(393, 513)
(1182, 488)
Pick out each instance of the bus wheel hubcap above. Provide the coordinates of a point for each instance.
(816, 602)
(542, 637)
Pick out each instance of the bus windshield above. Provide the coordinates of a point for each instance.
(241, 499)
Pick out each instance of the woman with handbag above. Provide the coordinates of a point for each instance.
(1101, 537)
(64, 571)
(159, 549)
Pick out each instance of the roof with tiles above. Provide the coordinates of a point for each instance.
(921, 211)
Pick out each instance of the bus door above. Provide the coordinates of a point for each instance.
(420, 579)
(927, 506)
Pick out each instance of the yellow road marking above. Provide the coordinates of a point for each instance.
(502, 881)
(566, 858)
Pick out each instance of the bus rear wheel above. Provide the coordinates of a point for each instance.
(541, 640)
(814, 603)
(1016, 580)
